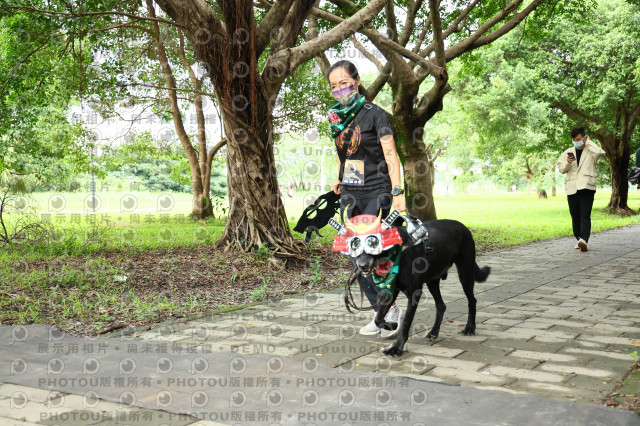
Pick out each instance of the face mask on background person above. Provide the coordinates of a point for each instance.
(345, 96)
(578, 144)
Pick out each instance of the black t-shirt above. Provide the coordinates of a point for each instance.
(578, 155)
(366, 173)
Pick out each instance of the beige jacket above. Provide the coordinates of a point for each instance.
(584, 175)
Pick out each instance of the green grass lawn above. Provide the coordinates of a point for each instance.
(78, 278)
(497, 220)
(502, 220)
(513, 219)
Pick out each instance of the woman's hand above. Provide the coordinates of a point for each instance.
(335, 186)
(398, 202)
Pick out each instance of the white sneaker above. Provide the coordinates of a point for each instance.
(582, 244)
(394, 315)
(370, 329)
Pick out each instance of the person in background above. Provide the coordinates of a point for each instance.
(638, 163)
(579, 164)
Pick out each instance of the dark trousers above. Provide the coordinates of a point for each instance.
(369, 205)
(638, 162)
(580, 205)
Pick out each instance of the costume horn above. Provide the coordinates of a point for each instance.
(347, 222)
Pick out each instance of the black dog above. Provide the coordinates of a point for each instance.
(451, 243)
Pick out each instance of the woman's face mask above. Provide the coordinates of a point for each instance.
(345, 96)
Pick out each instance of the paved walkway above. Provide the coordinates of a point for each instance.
(555, 328)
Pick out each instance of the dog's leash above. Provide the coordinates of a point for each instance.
(348, 295)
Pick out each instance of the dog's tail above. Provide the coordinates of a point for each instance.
(482, 273)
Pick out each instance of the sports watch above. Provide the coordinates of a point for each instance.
(397, 191)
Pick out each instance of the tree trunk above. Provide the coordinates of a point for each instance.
(227, 39)
(202, 206)
(618, 155)
(553, 191)
(256, 214)
(418, 168)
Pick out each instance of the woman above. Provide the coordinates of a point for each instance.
(371, 179)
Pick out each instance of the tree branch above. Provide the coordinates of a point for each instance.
(171, 86)
(633, 121)
(321, 60)
(391, 20)
(365, 52)
(270, 22)
(202, 139)
(423, 34)
(392, 51)
(456, 26)
(22, 61)
(409, 22)
(79, 15)
(214, 151)
(384, 76)
(431, 101)
(292, 25)
(477, 39)
(291, 58)
(436, 24)
(576, 114)
(198, 14)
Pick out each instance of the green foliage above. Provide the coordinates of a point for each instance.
(522, 94)
(590, 67)
(36, 86)
(263, 251)
(303, 101)
(316, 270)
(258, 294)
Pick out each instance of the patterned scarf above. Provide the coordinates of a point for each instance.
(340, 117)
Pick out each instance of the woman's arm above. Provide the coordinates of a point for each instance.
(391, 157)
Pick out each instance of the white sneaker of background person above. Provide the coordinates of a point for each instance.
(582, 245)
(393, 315)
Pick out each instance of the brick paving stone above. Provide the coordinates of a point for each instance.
(457, 376)
(523, 373)
(560, 325)
(490, 355)
(524, 345)
(542, 356)
(9, 390)
(6, 421)
(30, 411)
(573, 369)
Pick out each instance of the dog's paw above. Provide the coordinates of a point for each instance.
(469, 331)
(389, 325)
(432, 336)
(392, 351)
